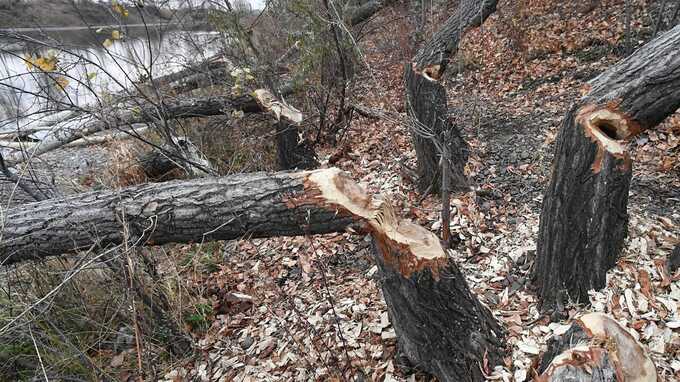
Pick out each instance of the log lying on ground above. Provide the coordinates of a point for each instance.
(596, 348)
(441, 327)
(250, 205)
(584, 216)
(144, 113)
(16, 190)
(426, 101)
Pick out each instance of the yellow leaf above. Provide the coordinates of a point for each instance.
(29, 62)
(62, 82)
(91, 76)
(119, 8)
(46, 64)
(115, 35)
(107, 43)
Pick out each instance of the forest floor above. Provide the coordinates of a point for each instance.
(311, 308)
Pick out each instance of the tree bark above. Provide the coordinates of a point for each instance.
(595, 348)
(207, 209)
(426, 101)
(62, 134)
(441, 327)
(584, 216)
(291, 151)
(363, 12)
(183, 155)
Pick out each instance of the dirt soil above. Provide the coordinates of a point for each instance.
(311, 309)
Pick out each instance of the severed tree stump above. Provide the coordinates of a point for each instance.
(584, 215)
(595, 348)
(440, 325)
(426, 102)
(291, 151)
(427, 106)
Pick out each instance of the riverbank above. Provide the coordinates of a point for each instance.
(66, 13)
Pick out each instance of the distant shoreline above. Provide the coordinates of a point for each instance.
(85, 27)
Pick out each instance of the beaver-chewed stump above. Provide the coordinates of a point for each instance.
(596, 348)
(440, 325)
(584, 218)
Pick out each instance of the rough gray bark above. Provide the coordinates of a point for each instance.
(135, 114)
(584, 216)
(360, 13)
(291, 151)
(441, 327)
(252, 205)
(182, 155)
(426, 101)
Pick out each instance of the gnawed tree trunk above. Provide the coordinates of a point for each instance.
(595, 348)
(441, 326)
(584, 216)
(293, 152)
(425, 292)
(427, 107)
(426, 101)
(206, 209)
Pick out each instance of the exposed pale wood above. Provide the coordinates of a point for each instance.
(596, 348)
(426, 102)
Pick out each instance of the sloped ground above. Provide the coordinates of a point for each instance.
(310, 308)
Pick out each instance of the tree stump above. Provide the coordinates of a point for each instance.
(595, 348)
(440, 325)
(584, 215)
(426, 101)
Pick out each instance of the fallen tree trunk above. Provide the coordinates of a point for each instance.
(584, 215)
(595, 348)
(441, 326)
(213, 63)
(426, 102)
(145, 113)
(252, 205)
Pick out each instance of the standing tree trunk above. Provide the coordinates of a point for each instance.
(440, 325)
(584, 217)
(426, 101)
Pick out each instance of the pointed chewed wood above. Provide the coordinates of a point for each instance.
(441, 327)
(596, 348)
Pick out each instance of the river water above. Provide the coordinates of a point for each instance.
(88, 70)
